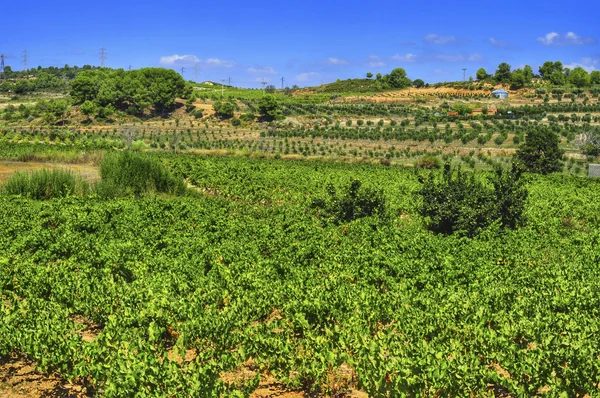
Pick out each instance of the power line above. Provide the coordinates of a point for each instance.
(25, 58)
(103, 55)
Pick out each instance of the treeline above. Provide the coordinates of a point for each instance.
(552, 73)
(135, 92)
(50, 79)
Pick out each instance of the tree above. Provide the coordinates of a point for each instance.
(88, 108)
(595, 77)
(397, 79)
(378, 77)
(224, 109)
(557, 78)
(528, 70)
(518, 79)
(418, 83)
(549, 67)
(268, 108)
(481, 74)
(503, 73)
(579, 77)
(369, 75)
(540, 152)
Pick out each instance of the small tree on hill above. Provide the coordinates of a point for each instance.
(269, 108)
(224, 109)
(481, 74)
(418, 83)
(369, 75)
(540, 152)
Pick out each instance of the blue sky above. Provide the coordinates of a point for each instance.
(308, 42)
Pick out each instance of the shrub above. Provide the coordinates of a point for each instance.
(128, 173)
(540, 153)
(198, 114)
(428, 162)
(355, 202)
(463, 204)
(45, 184)
(235, 122)
(248, 117)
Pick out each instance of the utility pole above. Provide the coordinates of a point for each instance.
(2, 56)
(129, 66)
(103, 55)
(229, 84)
(282, 79)
(196, 72)
(25, 60)
(264, 83)
(464, 74)
(182, 72)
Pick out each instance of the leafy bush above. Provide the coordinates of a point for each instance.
(428, 162)
(128, 173)
(198, 114)
(45, 184)
(248, 117)
(464, 204)
(355, 202)
(235, 122)
(540, 153)
(224, 109)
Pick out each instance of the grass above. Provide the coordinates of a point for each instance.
(46, 184)
(127, 173)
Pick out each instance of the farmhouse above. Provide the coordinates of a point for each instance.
(500, 93)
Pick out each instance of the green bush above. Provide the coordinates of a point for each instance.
(235, 122)
(540, 152)
(355, 202)
(428, 162)
(127, 173)
(464, 204)
(45, 184)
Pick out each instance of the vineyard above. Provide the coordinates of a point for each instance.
(241, 280)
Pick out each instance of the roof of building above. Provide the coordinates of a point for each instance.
(500, 91)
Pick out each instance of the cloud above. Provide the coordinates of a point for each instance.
(375, 61)
(501, 43)
(404, 58)
(568, 39)
(336, 61)
(589, 64)
(177, 59)
(267, 70)
(437, 39)
(191, 60)
(302, 77)
(458, 57)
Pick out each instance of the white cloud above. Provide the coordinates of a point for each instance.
(500, 43)
(458, 57)
(375, 61)
(191, 60)
(267, 70)
(216, 62)
(302, 77)
(336, 61)
(589, 64)
(177, 59)
(570, 38)
(404, 58)
(437, 39)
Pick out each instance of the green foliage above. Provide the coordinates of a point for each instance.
(224, 109)
(579, 77)
(464, 204)
(428, 162)
(549, 67)
(198, 114)
(418, 83)
(248, 117)
(127, 173)
(45, 184)
(236, 122)
(540, 152)
(481, 74)
(134, 91)
(354, 202)
(503, 73)
(268, 108)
